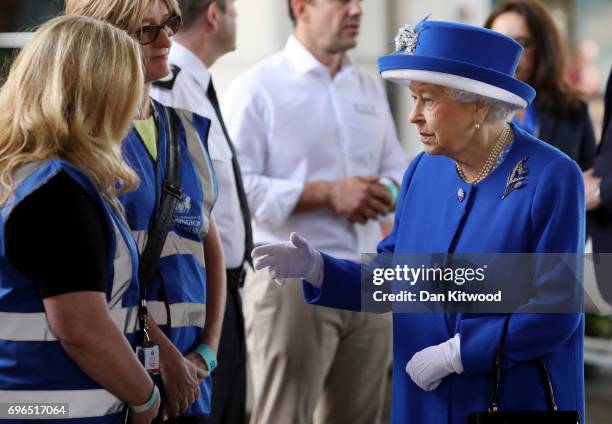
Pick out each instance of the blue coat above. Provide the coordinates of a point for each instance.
(544, 216)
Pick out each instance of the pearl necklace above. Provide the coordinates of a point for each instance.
(490, 162)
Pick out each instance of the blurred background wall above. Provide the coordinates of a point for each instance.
(263, 28)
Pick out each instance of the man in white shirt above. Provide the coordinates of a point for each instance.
(208, 32)
(315, 136)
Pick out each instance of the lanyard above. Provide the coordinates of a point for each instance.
(170, 194)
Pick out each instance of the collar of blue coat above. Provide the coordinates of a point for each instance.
(459, 56)
(519, 136)
(433, 182)
(445, 169)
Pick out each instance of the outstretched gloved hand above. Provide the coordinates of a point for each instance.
(429, 366)
(291, 259)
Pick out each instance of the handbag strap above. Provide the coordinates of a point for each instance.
(162, 220)
(497, 369)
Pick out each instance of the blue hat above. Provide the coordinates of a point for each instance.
(460, 56)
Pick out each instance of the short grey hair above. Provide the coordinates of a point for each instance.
(498, 109)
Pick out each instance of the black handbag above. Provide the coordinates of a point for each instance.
(495, 416)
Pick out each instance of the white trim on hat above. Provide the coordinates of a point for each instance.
(405, 76)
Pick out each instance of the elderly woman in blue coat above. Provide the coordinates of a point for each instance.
(481, 185)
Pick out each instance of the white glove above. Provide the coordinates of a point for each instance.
(291, 259)
(429, 366)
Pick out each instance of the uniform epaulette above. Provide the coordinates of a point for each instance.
(167, 82)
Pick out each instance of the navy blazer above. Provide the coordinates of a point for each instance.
(573, 134)
(600, 220)
(545, 215)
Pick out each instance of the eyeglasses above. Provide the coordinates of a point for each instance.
(148, 34)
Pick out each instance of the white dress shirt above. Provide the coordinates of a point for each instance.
(189, 93)
(292, 123)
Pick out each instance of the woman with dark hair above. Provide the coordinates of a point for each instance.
(557, 115)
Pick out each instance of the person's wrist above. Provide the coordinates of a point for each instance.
(315, 272)
(144, 407)
(329, 194)
(208, 356)
(453, 354)
(391, 187)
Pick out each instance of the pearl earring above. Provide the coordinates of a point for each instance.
(476, 125)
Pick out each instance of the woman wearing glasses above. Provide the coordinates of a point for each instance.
(188, 287)
(557, 115)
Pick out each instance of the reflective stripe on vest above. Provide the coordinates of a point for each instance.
(204, 166)
(174, 245)
(34, 327)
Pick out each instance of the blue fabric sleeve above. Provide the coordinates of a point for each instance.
(340, 288)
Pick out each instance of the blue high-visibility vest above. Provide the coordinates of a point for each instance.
(34, 368)
(177, 293)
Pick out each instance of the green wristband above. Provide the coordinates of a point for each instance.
(208, 356)
(390, 185)
(148, 404)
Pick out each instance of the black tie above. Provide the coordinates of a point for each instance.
(244, 205)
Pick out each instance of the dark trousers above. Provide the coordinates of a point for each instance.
(229, 379)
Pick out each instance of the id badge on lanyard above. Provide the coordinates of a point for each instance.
(147, 352)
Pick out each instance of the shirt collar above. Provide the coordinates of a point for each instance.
(185, 59)
(304, 61)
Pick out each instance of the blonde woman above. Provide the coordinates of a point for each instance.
(187, 292)
(67, 261)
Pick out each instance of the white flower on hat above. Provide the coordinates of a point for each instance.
(406, 40)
